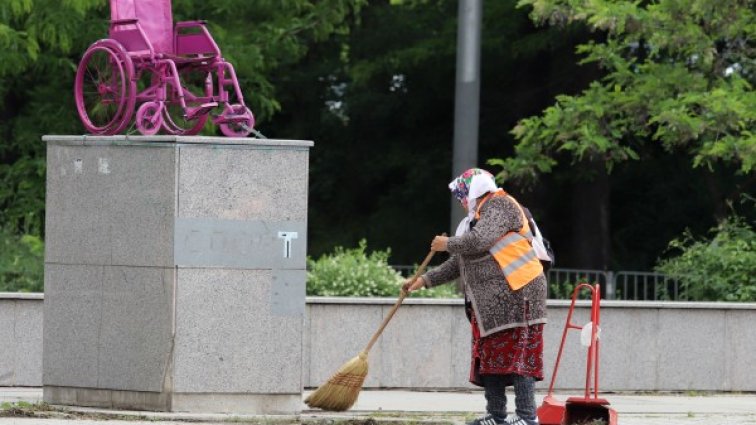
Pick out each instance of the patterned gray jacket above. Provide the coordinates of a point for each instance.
(495, 305)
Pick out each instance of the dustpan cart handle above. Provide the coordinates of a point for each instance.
(402, 296)
(596, 312)
(592, 360)
(569, 325)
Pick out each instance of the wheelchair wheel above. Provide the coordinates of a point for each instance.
(193, 82)
(243, 123)
(103, 89)
(149, 118)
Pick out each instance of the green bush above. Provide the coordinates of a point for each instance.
(560, 290)
(563, 290)
(720, 269)
(21, 262)
(352, 272)
(355, 273)
(448, 290)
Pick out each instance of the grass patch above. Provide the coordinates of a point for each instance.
(42, 410)
(697, 393)
(26, 410)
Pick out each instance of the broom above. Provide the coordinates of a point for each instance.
(342, 389)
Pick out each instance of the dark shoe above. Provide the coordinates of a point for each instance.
(486, 420)
(513, 419)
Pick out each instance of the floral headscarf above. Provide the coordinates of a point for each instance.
(467, 188)
(472, 184)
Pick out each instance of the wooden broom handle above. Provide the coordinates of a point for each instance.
(402, 296)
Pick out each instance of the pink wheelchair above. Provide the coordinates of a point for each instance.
(165, 72)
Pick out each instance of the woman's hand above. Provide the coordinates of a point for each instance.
(408, 286)
(440, 243)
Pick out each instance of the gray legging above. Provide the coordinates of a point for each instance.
(524, 387)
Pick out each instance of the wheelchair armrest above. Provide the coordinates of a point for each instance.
(189, 24)
(194, 43)
(124, 21)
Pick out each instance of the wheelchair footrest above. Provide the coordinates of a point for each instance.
(226, 118)
(200, 110)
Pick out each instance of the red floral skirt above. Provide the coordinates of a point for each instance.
(515, 351)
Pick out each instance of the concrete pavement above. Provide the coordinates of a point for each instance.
(396, 406)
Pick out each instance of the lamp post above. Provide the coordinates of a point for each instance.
(467, 94)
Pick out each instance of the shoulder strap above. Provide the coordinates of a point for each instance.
(525, 229)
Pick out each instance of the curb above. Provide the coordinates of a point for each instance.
(45, 411)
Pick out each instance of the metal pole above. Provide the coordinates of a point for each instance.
(611, 286)
(467, 95)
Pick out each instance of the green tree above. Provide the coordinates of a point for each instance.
(372, 83)
(678, 73)
(677, 78)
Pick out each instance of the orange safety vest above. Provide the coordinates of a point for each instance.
(514, 252)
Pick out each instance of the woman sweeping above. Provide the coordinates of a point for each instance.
(505, 295)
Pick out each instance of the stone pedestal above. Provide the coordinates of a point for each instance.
(175, 273)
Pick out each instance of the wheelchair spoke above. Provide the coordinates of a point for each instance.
(194, 85)
(102, 89)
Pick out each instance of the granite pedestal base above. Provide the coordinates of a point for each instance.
(175, 273)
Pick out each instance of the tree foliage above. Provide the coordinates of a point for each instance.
(261, 36)
(372, 83)
(21, 262)
(677, 73)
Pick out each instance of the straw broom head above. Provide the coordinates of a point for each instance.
(342, 389)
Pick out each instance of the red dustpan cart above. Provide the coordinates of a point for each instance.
(590, 407)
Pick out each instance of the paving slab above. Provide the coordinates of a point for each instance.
(473, 401)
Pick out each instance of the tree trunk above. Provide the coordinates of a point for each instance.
(718, 201)
(591, 239)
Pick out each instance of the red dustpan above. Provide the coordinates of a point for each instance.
(589, 407)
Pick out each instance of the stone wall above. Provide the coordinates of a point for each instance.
(646, 346)
(20, 340)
